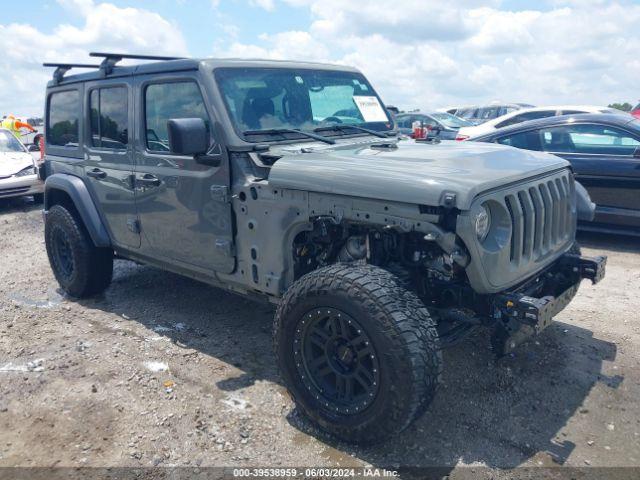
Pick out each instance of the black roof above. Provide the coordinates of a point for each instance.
(614, 119)
(109, 69)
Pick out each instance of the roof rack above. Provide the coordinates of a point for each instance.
(106, 66)
(62, 68)
(110, 59)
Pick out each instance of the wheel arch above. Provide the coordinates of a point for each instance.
(70, 191)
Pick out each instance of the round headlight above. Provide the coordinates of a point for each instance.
(26, 171)
(483, 223)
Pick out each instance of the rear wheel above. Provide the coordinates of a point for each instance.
(81, 268)
(359, 353)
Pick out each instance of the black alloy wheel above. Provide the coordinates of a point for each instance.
(336, 360)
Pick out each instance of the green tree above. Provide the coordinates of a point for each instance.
(625, 107)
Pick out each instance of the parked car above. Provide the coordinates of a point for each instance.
(378, 253)
(604, 151)
(636, 111)
(442, 124)
(525, 114)
(19, 173)
(478, 114)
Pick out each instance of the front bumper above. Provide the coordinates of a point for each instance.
(18, 186)
(519, 315)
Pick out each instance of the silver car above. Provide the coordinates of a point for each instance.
(18, 169)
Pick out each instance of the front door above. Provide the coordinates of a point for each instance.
(109, 160)
(184, 206)
(605, 161)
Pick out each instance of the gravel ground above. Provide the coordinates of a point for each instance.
(165, 371)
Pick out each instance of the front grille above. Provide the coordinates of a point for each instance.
(542, 218)
(4, 192)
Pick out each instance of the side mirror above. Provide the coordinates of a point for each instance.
(188, 136)
(33, 148)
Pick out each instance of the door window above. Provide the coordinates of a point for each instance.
(62, 121)
(427, 121)
(109, 118)
(165, 101)
(526, 140)
(488, 113)
(589, 139)
(523, 117)
(468, 113)
(403, 122)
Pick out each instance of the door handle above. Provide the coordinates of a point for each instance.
(148, 180)
(97, 173)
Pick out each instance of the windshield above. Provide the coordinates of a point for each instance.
(451, 121)
(276, 98)
(9, 143)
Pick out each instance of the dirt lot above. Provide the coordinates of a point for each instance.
(164, 371)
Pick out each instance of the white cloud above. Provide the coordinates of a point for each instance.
(425, 53)
(292, 45)
(268, 5)
(417, 53)
(408, 22)
(105, 27)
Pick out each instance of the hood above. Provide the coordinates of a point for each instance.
(415, 172)
(12, 162)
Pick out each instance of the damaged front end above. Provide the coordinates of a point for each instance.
(529, 309)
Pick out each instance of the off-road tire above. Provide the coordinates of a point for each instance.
(401, 331)
(89, 269)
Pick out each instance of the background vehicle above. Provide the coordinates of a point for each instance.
(604, 151)
(479, 114)
(286, 182)
(18, 170)
(636, 111)
(526, 114)
(446, 124)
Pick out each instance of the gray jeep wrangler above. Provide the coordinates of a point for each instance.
(287, 181)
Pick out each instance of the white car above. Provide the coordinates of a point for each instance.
(18, 169)
(526, 114)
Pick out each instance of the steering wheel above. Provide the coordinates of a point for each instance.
(332, 119)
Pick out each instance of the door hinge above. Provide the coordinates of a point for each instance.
(220, 193)
(133, 224)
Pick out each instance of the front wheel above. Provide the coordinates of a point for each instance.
(358, 352)
(81, 268)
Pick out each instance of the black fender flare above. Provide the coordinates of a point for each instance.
(585, 207)
(77, 191)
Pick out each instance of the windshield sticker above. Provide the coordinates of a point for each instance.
(370, 109)
(247, 84)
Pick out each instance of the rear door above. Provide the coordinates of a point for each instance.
(605, 160)
(184, 206)
(109, 158)
(526, 116)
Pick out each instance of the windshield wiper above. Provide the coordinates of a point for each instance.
(340, 127)
(269, 131)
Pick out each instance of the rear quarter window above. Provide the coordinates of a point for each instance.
(526, 140)
(63, 119)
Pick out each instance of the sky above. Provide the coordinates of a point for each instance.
(421, 54)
